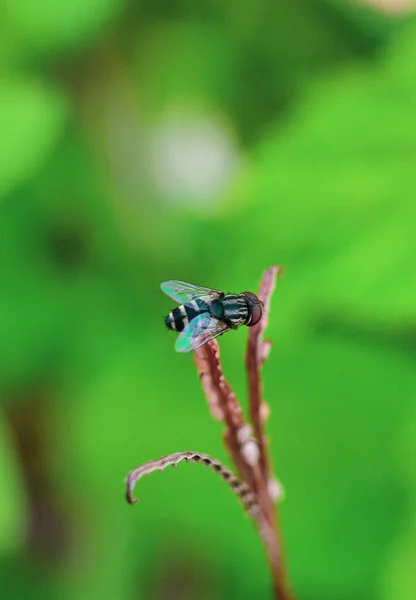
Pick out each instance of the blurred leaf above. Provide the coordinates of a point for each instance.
(253, 61)
(180, 63)
(331, 194)
(32, 117)
(47, 26)
(372, 21)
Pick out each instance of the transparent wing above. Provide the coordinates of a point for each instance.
(183, 292)
(199, 331)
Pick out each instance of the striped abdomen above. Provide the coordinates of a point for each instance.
(179, 317)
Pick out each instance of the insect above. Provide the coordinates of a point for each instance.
(205, 313)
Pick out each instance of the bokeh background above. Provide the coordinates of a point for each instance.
(149, 140)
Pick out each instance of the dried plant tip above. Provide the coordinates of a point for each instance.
(257, 347)
(267, 286)
(245, 493)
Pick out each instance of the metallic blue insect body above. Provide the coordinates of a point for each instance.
(205, 313)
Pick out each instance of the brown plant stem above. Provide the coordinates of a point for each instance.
(246, 442)
(242, 449)
(256, 354)
(220, 395)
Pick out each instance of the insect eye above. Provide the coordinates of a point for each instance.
(256, 313)
(256, 308)
(252, 298)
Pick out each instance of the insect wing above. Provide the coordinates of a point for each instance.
(199, 331)
(184, 292)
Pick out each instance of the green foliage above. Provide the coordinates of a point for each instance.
(47, 26)
(321, 100)
(32, 116)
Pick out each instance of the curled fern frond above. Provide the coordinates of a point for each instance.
(245, 493)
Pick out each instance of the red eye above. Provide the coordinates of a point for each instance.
(256, 313)
(252, 298)
(256, 307)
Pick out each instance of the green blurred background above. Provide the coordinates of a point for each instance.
(147, 140)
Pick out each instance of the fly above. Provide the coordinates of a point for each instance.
(205, 313)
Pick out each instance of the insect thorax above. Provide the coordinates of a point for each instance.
(231, 308)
